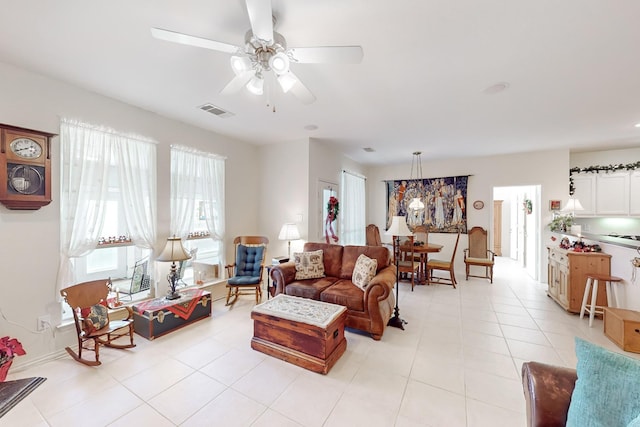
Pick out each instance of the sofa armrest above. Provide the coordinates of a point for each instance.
(281, 275)
(547, 392)
(386, 278)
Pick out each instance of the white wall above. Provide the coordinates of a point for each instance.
(548, 169)
(284, 192)
(31, 239)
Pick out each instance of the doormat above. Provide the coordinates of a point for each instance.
(12, 392)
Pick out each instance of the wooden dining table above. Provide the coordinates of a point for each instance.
(423, 251)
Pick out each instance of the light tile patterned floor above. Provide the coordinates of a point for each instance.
(457, 363)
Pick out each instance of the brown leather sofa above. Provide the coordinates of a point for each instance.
(547, 392)
(368, 310)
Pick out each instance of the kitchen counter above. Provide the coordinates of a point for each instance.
(631, 242)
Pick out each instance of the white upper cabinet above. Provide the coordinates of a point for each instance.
(634, 193)
(584, 185)
(612, 193)
(608, 193)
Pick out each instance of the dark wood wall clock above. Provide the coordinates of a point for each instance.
(25, 167)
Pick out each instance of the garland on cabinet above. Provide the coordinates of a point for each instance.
(598, 169)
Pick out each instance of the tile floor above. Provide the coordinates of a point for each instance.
(457, 363)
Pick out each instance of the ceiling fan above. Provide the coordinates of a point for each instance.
(266, 50)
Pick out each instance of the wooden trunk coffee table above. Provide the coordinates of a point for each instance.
(301, 331)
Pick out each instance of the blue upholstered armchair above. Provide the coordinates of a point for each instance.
(245, 274)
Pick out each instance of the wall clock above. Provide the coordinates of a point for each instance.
(25, 167)
(478, 204)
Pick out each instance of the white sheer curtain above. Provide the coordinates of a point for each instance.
(199, 175)
(353, 209)
(88, 154)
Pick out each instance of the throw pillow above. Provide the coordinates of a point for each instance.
(95, 317)
(607, 392)
(309, 265)
(635, 422)
(364, 271)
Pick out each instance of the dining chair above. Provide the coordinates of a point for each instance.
(407, 258)
(477, 254)
(373, 235)
(438, 264)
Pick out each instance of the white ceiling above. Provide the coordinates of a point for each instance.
(572, 66)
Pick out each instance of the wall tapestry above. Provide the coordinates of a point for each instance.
(444, 199)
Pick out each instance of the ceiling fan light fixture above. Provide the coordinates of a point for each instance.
(240, 64)
(279, 63)
(286, 81)
(256, 85)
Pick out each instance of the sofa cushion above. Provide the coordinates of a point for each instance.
(332, 257)
(309, 265)
(351, 254)
(364, 271)
(344, 293)
(607, 391)
(310, 288)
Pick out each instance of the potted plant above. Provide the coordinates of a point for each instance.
(9, 348)
(561, 223)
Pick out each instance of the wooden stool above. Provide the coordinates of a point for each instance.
(592, 284)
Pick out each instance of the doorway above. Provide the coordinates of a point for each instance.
(516, 225)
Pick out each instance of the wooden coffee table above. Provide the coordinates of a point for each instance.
(305, 332)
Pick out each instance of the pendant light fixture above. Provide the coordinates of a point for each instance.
(416, 203)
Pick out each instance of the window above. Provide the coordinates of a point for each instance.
(352, 209)
(108, 202)
(197, 206)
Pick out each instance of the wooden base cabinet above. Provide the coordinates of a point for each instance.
(567, 276)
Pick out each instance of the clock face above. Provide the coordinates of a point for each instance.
(26, 148)
(25, 179)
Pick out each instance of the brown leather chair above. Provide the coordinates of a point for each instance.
(88, 302)
(547, 392)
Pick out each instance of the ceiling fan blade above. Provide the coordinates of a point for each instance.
(172, 36)
(300, 91)
(260, 15)
(238, 82)
(328, 54)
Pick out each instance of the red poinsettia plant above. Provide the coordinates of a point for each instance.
(9, 348)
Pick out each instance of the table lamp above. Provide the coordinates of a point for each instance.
(289, 232)
(173, 251)
(398, 228)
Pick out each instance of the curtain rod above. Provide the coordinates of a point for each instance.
(106, 129)
(416, 179)
(354, 174)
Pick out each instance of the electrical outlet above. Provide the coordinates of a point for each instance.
(44, 322)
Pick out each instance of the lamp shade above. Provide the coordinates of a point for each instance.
(398, 227)
(289, 231)
(173, 251)
(572, 205)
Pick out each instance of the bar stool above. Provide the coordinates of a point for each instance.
(592, 286)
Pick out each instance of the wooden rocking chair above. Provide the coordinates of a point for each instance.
(88, 302)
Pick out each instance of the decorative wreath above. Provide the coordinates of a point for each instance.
(333, 207)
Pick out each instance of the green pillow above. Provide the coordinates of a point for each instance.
(607, 392)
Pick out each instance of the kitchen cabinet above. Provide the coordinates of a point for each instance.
(634, 193)
(584, 185)
(612, 193)
(567, 276)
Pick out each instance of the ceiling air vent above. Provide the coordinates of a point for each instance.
(216, 111)
(369, 149)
